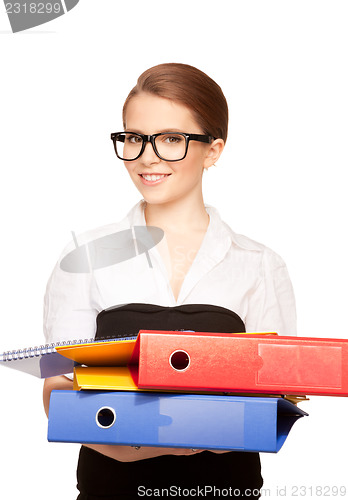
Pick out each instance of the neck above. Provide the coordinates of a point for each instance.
(177, 217)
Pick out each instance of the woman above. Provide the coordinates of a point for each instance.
(175, 127)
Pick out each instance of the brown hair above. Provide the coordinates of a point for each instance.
(191, 87)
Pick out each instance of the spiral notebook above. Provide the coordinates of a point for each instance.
(45, 361)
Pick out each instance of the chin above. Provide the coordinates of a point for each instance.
(152, 199)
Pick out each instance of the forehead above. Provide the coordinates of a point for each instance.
(151, 114)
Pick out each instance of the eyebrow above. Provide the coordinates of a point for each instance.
(165, 131)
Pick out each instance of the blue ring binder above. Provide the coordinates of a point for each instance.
(173, 420)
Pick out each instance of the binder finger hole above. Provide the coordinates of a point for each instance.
(179, 360)
(105, 417)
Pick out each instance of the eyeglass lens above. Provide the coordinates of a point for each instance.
(169, 146)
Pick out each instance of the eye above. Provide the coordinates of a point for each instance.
(133, 139)
(172, 139)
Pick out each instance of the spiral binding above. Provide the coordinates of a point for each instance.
(34, 352)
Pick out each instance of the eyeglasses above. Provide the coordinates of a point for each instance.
(168, 146)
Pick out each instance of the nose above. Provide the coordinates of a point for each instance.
(149, 156)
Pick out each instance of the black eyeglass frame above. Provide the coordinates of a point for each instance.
(151, 138)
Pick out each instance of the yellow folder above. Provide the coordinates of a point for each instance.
(103, 378)
(105, 353)
(117, 378)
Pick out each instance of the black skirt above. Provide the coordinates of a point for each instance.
(100, 477)
(207, 474)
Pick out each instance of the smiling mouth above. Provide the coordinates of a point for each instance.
(153, 177)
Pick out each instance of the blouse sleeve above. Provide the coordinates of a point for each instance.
(69, 312)
(272, 305)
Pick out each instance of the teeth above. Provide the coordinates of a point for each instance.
(153, 177)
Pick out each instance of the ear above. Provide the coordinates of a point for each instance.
(213, 152)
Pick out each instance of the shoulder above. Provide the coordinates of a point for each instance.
(268, 255)
(243, 243)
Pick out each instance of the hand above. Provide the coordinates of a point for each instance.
(220, 451)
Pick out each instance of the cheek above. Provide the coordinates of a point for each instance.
(130, 166)
(192, 165)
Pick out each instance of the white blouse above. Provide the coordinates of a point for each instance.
(229, 270)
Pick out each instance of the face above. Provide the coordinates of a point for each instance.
(149, 114)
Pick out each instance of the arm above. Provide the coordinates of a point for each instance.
(272, 306)
(121, 453)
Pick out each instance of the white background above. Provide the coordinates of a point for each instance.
(281, 180)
